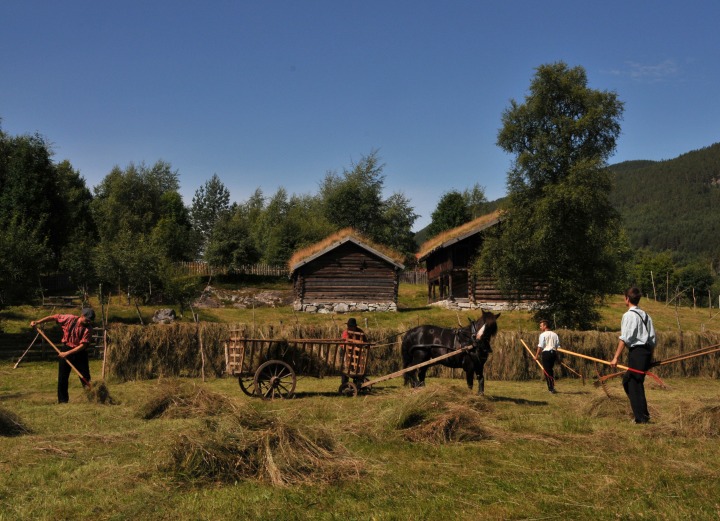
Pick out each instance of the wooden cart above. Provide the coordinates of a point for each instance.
(268, 368)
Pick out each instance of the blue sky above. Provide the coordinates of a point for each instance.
(277, 93)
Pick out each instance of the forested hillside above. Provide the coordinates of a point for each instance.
(673, 204)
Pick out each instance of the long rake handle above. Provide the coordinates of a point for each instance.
(573, 371)
(692, 354)
(26, 351)
(536, 360)
(599, 360)
(86, 382)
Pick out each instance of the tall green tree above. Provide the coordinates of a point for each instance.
(559, 227)
(355, 199)
(475, 200)
(395, 228)
(231, 244)
(43, 213)
(142, 224)
(211, 201)
(451, 211)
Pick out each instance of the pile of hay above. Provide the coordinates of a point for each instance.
(11, 424)
(609, 407)
(703, 422)
(253, 446)
(442, 416)
(100, 394)
(178, 399)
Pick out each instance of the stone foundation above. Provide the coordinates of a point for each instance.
(344, 307)
(465, 304)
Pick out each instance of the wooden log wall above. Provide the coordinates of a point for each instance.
(485, 289)
(348, 273)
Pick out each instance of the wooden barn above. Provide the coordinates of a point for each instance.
(449, 257)
(345, 273)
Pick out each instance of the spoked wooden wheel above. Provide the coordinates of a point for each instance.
(349, 389)
(274, 379)
(247, 384)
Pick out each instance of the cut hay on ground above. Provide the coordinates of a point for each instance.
(178, 399)
(609, 407)
(100, 394)
(441, 416)
(704, 422)
(11, 424)
(275, 453)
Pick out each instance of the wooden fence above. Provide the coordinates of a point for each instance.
(202, 268)
(279, 270)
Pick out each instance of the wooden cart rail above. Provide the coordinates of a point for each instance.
(267, 367)
(308, 357)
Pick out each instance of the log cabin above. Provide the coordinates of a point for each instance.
(345, 273)
(449, 257)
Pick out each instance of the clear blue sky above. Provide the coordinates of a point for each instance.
(276, 93)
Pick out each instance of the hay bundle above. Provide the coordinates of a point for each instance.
(457, 423)
(704, 422)
(176, 399)
(270, 451)
(11, 424)
(443, 416)
(100, 394)
(608, 407)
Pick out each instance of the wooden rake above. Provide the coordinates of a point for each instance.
(536, 360)
(82, 378)
(619, 366)
(707, 350)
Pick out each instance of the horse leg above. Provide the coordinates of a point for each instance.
(469, 374)
(481, 377)
(421, 377)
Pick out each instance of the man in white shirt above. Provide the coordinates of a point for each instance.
(547, 348)
(638, 334)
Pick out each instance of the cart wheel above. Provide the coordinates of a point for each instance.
(247, 384)
(274, 379)
(349, 389)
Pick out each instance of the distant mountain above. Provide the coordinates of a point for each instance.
(666, 205)
(673, 204)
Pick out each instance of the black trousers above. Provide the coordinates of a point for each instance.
(548, 359)
(639, 358)
(81, 362)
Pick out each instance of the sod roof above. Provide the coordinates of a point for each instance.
(449, 237)
(312, 252)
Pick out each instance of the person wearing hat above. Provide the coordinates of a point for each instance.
(354, 334)
(77, 336)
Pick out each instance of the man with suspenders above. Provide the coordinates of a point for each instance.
(638, 334)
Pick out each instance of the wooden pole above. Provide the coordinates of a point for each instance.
(652, 278)
(417, 366)
(202, 353)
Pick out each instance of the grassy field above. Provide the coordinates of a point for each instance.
(433, 453)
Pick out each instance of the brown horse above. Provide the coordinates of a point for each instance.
(424, 343)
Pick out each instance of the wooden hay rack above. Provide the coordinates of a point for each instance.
(268, 368)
